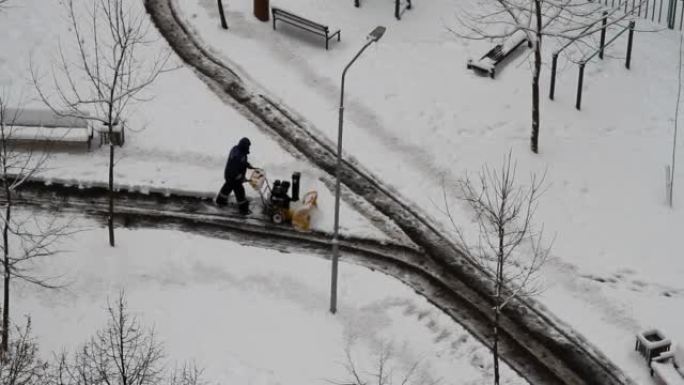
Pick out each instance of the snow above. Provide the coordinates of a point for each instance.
(514, 41)
(416, 118)
(44, 118)
(247, 315)
(61, 134)
(178, 140)
(667, 374)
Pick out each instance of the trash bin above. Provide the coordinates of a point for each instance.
(261, 9)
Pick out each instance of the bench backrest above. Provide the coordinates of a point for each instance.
(299, 19)
(41, 118)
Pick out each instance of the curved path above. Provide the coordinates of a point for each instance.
(197, 214)
(537, 345)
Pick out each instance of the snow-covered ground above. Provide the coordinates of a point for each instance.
(247, 315)
(179, 139)
(417, 118)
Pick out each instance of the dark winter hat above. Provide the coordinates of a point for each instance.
(244, 144)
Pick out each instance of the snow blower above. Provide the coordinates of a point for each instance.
(276, 201)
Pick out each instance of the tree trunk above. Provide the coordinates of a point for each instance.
(110, 219)
(6, 267)
(4, 344)
(535, 79)
(495, 348)
(497, 297)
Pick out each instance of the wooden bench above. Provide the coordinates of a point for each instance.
(488, 63)
(25, 126)
(303, 23)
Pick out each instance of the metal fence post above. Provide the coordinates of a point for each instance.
(674, 14)
(604, 22)
(660, 11)
(628, 60)
(554, 64)
(645, 14)
(580, 81)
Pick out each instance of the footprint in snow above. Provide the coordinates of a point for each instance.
(619, 281)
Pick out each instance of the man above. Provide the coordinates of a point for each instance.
(234, 176)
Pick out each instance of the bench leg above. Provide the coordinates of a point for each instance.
(274, 20)
(326, 41)
(338, 35)
(356, 3)
(409, 4)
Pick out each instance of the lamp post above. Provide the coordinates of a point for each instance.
(224, 24)
(373, 37)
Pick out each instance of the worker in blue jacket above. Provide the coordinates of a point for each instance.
(234, 176)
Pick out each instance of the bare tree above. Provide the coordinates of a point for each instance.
(118, 62)
(25, 238)
(508, 244)
(123, 353)
(23, 365)
(567, 21)
(384, 370)
(188, 374)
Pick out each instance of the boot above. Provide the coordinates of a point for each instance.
(221, 200)
(243, 207)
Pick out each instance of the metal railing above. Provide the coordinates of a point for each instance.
(657, 11)
(582, 64)
(554, 56)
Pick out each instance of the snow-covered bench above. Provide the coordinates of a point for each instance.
(666, 364)
(31, 125)
(491, 59)
(668, 367)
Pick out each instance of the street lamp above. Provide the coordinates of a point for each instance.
(373, 37)
(223, 16)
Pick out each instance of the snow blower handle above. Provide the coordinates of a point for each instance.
(257, 179)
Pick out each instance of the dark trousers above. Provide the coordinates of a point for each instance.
(239, 189)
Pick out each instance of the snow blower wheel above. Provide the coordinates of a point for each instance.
(277, 218)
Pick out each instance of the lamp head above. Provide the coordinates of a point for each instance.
(376, 33)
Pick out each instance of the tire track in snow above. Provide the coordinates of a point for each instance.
(539, 346)
(195, 214)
